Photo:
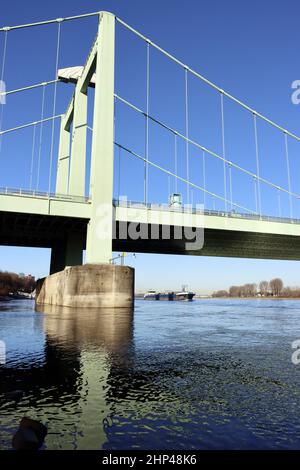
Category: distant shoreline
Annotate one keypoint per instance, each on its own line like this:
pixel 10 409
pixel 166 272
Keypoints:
pixel 8 298
pixel 254 298
pixel 140 296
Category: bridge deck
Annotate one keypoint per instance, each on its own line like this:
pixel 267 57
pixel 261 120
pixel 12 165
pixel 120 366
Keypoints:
pixel 42 220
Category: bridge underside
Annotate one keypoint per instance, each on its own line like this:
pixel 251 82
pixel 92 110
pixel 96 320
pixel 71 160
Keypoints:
pixel 224 243
pixel 48 231
pixel 37 230
pixel 221 243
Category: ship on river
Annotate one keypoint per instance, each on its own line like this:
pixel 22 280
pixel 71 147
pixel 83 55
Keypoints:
pixel 170 296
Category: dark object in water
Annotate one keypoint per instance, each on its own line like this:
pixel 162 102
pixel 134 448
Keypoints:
pixel 30 435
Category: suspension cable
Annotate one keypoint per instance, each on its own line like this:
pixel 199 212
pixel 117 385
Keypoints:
pixel 147 125
pixel 2 81
pixel 29 124
pixel 187 135
pixel 205 80
pixel 255 194
pixel 42 23
pixel 257 163
pixel 184 180
pixel 176 162
pixel 29 87
pixel 279 204
pixel 40 139
pixel 32 156
pixel 119 174
pixel 223 149
pixel 54 105
pixel 203 189
pixel 115 116
pixel 4 55
pixel 204 178
pixel 230 185
pixel 288 173
pixel 208 151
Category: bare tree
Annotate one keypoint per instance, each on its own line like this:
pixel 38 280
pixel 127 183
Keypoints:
pixel 276 286
pixel 220 293
pixel 11 283
pixel 252 290
pixel 264 287
pixel 244 290
pixel 249 290
pixel 235 291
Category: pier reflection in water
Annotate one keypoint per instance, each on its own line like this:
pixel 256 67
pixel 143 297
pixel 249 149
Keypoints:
pixel 65 383
pixel 207 375
pixel 92 339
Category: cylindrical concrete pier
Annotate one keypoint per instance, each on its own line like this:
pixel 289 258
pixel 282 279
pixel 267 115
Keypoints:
pixel 88 286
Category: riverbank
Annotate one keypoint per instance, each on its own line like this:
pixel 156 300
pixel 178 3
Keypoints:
pixel 141 296
pixel 252 298
pixel 7 298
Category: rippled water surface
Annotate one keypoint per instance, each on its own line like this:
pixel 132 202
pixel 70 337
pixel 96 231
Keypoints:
pixel 209 374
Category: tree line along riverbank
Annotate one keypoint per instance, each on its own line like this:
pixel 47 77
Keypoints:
pixel 14 285
pixel 267 289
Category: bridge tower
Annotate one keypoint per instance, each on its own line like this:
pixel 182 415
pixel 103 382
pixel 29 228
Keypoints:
pixel 117 281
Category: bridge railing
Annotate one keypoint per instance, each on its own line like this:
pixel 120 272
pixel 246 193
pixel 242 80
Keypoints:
pixel 43 195
pixel 193 210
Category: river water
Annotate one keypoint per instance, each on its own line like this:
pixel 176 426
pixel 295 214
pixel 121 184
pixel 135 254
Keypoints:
pixel 207 374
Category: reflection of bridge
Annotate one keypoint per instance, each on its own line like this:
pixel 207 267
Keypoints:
pixel 70 217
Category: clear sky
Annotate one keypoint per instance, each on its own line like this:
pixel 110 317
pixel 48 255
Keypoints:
pixel 246 48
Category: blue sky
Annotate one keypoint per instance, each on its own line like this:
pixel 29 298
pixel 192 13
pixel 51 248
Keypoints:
pixel 248 49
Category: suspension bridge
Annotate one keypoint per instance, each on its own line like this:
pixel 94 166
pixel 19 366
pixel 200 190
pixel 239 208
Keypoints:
pixel 87 143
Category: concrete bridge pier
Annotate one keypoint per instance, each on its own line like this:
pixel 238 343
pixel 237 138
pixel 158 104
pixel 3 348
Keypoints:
pixel 88 286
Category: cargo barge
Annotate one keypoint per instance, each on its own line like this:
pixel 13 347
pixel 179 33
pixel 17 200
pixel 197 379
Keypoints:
pixel 170 296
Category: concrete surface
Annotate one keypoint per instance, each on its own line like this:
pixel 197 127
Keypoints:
pixel 88 286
